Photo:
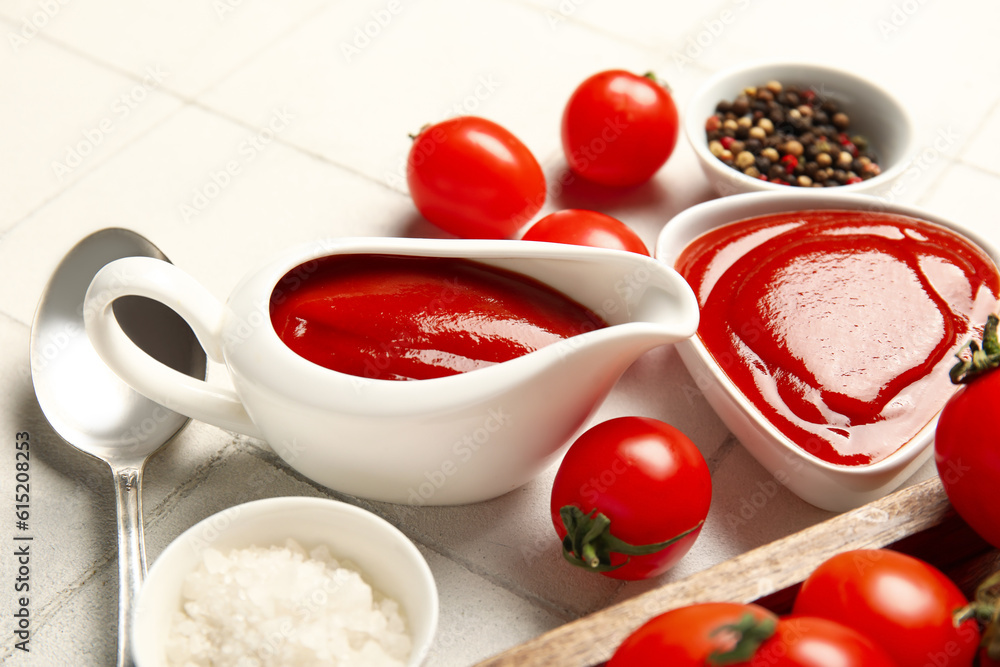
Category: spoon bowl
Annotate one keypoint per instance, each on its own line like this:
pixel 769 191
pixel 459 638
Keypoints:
pixel 90 407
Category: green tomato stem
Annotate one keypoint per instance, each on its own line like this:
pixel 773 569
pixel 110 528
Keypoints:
pixel 985 610
pixel 589 543
pixel 749 634
pixel 652 77
pixel 978 360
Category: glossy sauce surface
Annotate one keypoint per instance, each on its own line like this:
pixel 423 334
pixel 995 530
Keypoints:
pixel 413 318
pixel 840 326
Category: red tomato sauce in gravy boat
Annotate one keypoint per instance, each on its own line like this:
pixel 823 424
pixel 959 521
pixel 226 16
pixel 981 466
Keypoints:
pixel 840 326
pixel 415 318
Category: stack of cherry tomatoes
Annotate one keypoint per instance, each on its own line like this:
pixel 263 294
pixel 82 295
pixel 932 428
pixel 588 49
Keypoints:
pixel 863 608
pixel 631 495
pixel 473 178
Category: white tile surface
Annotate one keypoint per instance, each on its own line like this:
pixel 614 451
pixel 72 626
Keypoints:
pixel 958 196
pixel 660 26
pixel 280 123
pixel 83 114
pixel 217 197
pixel 980 148
pixel 355 85
pixel 197 42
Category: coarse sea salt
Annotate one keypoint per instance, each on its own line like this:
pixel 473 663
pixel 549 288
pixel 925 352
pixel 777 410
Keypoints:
pixel 281 606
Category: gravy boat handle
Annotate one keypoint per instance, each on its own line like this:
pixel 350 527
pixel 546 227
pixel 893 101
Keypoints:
pixel 163 282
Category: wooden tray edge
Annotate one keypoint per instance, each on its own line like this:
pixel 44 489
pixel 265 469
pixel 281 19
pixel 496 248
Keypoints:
pixel 752 576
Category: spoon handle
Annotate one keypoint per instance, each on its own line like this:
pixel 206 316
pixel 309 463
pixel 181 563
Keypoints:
pixel 131 553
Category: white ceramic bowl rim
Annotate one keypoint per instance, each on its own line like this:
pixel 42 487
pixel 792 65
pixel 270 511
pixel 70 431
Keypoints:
pixel 193 541
pixel 670 244
pixel 754 72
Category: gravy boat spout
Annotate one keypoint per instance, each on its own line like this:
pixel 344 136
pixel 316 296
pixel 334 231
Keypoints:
pixel 450 440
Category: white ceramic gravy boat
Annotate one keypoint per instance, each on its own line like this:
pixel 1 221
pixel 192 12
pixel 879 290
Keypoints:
pixel 456 439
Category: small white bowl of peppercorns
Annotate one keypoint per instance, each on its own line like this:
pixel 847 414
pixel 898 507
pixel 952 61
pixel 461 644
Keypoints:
pixel 774 126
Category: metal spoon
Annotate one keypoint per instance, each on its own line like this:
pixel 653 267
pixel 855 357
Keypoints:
pixel 95 411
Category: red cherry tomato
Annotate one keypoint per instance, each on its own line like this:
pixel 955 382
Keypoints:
pixel 720 633
pixel 630 497
pixel 687 636
pixel 967 445
pixel 473 178
pixel 899 601
pixel 809 641
pixel 589 228
pixel 618 128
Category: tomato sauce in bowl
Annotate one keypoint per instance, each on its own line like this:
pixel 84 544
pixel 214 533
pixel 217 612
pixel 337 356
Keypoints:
pixel 415 318
pixel 839 326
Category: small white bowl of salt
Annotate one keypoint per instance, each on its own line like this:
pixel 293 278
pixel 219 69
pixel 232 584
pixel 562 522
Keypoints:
pixel 287 581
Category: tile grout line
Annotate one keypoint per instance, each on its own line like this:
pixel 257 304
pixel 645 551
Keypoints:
pixel 195 101
pixel 260 51
pixel 986 171
pixel 185 100
pixel 421 538
pixel 155 126
pixel 570 17
pixel 979 128
pixel 303 150
pixel 94 168
pixel 983 124
pixel 928 194
pixel 721 453
pixel 200 473
pixel 61 597
pixel 10 318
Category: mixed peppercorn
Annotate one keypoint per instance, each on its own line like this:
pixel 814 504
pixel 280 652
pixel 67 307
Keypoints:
pixel 789 135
